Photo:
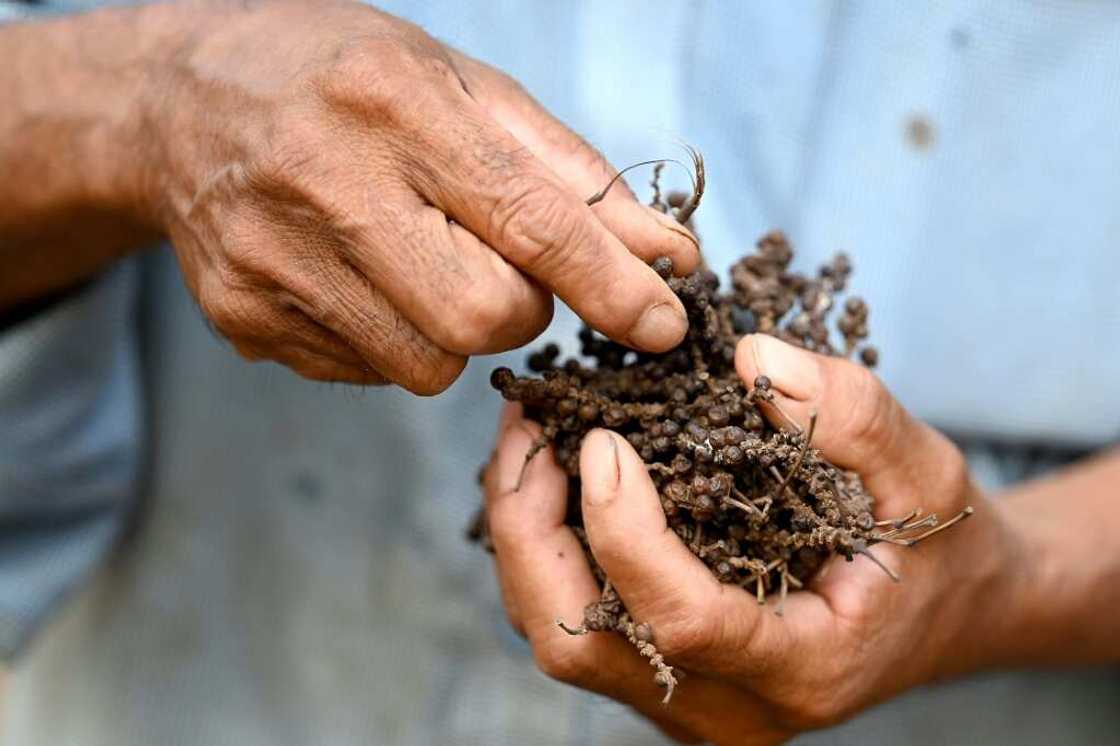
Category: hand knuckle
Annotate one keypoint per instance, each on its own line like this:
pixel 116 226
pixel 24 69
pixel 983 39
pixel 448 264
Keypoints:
pixel 870 422
pixel 535 225
pixel 689 633
pixel 583 152
pixel 561 659
pixel 214 303
pixel 441 69
pixel 480 313
pixel 234 313
pixel 292 143
pixel 233 271
pixel 858 614
pixel 376 77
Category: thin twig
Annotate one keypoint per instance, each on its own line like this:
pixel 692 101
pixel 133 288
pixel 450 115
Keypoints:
pixel 801 455
pixel 955 519
pixel 928 522
pixel 655 182
pixel 742 505
pixel 537 447
pixel 780 611
pixel 600 195
pixel 684 212
pixel 574 631
pixel 768 398
pixel 900 522
pixel 697 536
pixel 891 573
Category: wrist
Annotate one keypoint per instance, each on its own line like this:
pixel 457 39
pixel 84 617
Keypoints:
pixel 166 96
pixel 1045 590
pixel 1065 601
pixel 71 144
pixel 125 164
pixel 986 578
pixel 83 136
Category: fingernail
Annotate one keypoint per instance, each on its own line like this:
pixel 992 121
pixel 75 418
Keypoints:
pixel 793 371
pixel 601 484
pixel 661 327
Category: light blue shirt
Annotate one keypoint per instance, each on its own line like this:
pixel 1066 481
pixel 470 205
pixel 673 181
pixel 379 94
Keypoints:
pixel 991 258
pixel 302 579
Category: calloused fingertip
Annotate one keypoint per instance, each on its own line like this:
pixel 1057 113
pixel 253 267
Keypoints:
pixel 795 372
pixel 685 248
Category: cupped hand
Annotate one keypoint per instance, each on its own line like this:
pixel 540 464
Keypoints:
pixel 360 202
pixel 851 638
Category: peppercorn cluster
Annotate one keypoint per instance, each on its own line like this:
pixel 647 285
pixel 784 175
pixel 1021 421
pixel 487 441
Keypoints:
pixel 745 492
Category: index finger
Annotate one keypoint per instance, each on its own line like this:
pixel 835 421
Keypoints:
pixel 646 232
pixel 489 182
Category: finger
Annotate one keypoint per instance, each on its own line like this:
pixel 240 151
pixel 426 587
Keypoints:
pixel 523 520
pixel 860 426
pixel 262 326
pixel 321 283
pixel 369 324
pixel 307 363
pixel 457 291
pixel 695 619
pixel 326 369
pixel 485 179
pixel 317 353
pixel 643 230
pixel 510 413
pixel 547 576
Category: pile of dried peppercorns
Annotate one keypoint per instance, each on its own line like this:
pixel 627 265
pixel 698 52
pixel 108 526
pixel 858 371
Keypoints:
pixel 748 495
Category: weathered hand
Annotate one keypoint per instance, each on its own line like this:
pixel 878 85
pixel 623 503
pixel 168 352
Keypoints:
pixel 850 639
pixel 354 199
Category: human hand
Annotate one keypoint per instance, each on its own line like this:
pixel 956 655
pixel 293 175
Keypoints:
pixel 352 198
pixel 850 639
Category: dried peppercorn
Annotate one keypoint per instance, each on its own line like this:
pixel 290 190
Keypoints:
pixel 752 499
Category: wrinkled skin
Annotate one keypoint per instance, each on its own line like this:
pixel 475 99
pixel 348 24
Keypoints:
pixel 850 639
pixel 352 198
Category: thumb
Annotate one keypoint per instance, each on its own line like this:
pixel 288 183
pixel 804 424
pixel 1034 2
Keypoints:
pixel 628 533
pixel 660 580
pixel 860 426
pixel 646 232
